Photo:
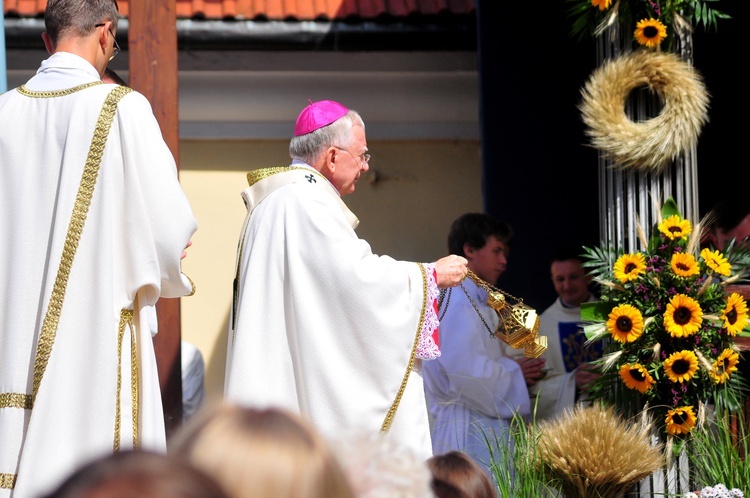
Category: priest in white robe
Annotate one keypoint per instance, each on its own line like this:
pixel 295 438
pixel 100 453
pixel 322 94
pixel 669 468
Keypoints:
pixel 94 225
pixel 320 324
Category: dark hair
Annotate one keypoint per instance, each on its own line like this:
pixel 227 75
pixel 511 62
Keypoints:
pixel 460 470
pixel 567 253
pixel 474 229
pixel 77 17
pixel 138 473
pixel 445 489
pixel 728 213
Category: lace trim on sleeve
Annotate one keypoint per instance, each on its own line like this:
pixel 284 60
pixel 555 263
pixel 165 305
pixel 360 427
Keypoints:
pixel 427 349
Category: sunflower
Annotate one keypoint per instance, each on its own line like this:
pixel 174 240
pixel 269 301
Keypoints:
pixel 629 266
pixel 681 366
pixel 717 262
pixel 684 265
pixel 683 316
pixel 724 366
pixel 625 323
pixel 636 377
pixel 650 32
pixel 735 314
pixel 602 4
pixel 675 227
pixel 680 420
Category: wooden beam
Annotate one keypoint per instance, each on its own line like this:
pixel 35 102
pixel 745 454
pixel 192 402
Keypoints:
pixel 152 51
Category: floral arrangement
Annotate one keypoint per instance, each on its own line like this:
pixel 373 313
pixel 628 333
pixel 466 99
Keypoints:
pixel 651 21
pixel 668 325
pixel 718 491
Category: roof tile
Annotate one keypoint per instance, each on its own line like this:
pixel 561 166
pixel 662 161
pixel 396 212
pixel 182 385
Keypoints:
pixel 302 10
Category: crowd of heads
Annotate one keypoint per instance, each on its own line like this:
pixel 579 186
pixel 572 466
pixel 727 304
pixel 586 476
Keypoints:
pixel 229 451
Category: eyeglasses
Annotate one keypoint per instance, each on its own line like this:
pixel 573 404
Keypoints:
pixel 115 47
pixel 364 158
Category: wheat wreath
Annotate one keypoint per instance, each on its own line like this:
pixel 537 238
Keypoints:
pixel 653 143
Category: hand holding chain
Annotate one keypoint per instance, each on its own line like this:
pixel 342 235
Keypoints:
pixel 518 324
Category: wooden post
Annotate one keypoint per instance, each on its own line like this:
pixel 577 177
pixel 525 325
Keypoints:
pixel 152 51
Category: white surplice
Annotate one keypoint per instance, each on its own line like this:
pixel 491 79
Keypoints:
pixel 324 327
pixel 137 226
pixel 474 390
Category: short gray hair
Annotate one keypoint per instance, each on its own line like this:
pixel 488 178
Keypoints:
pixel 77 18
pixel 309 146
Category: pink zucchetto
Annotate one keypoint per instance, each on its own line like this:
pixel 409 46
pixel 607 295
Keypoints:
pixel 317 115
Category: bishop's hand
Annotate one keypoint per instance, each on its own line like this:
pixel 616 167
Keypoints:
pixel 451 270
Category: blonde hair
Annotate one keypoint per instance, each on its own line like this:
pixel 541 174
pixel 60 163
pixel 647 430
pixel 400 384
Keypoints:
pixel 380 467
pixel 258 453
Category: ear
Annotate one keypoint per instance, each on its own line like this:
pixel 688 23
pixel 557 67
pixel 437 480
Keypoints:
pixel 331 157
pixel 48 43
pixel 104 36
pixel 713 238
pixel 468 250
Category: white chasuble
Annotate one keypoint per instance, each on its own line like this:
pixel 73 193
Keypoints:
pixel 78 379
pixel 322 326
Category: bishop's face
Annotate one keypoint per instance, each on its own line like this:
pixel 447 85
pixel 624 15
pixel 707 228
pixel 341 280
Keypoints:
pixel 347 164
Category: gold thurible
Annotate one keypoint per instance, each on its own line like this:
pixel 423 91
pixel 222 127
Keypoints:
pixel 519 324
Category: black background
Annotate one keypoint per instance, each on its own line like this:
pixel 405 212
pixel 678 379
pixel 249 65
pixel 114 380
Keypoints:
pixel 539 174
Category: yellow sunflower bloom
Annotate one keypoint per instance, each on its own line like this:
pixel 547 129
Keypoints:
pixel 735 314
pixel 683 316
pixel 675 227
pixel 650 32
pixel 636 377
pixel 684 265
pixel 629 266
pixel 716 261
pixel 681 366
pixel 625 323
pixel 602 4
pixel 680 420
pixel 724 366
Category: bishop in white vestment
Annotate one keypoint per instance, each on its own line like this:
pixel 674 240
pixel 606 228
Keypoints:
pixel 321 325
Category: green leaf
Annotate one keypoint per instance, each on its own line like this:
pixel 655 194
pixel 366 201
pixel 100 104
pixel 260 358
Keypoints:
pixel 597 311
pixel 670 209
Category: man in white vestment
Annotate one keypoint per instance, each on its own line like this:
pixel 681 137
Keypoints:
pixel 321 325
pixel 568 374
pixel 94 225
pixel 474 390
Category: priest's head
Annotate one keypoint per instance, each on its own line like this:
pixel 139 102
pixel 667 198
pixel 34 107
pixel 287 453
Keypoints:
pixel 331 138
pixel 85 28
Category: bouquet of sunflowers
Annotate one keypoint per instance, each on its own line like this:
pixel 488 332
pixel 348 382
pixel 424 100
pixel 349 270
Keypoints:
pixel 668 325
pixel 650 21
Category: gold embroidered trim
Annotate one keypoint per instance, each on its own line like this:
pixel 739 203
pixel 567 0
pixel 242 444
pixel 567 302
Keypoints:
pixel 126 320
pixel 134 380
pixel 55 93
pixel 259 174
pixel 392 411
pixel 15 400
pixel 192 286
pixel 7 481
pixel 73 236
